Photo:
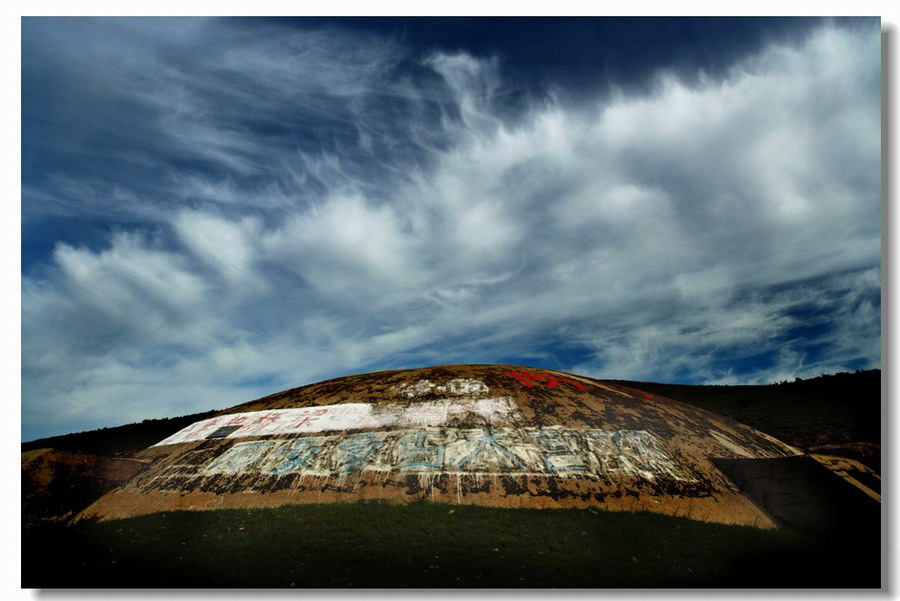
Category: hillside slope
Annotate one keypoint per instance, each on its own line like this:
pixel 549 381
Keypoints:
pixel 828 410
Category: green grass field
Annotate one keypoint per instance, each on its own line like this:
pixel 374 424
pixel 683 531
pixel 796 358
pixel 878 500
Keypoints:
pixel 424 545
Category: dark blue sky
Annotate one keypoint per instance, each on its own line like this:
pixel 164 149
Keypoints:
pixel 218 209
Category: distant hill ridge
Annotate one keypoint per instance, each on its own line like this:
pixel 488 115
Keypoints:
pixel 827 410
pixel 117 440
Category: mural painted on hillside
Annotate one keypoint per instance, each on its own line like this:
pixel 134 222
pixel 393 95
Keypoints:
pixel 553 451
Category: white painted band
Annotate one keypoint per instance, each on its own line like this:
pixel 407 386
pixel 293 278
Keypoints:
pixel 350 416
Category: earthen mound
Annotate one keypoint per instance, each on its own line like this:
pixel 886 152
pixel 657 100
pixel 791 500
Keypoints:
pixel 480 434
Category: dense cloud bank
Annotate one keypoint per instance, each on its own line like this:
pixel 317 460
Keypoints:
pixel 214 212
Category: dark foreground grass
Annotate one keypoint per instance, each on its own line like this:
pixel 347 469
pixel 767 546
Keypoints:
pixel 425 545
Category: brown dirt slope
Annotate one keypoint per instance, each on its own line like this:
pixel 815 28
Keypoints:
pixel 56 484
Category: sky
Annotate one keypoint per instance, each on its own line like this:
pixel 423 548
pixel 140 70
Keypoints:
pixel 218 209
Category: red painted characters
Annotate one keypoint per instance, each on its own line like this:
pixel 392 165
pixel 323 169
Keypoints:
pixel 530 379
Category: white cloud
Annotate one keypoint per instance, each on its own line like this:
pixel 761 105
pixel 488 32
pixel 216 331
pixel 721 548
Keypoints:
pixel 228 248
pixel 120 296
pixel 662 234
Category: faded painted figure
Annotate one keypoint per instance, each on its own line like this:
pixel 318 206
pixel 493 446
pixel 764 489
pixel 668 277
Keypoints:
pixel 553 451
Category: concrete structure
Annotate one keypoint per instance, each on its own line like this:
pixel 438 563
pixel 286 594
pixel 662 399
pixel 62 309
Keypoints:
pixel 480 434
